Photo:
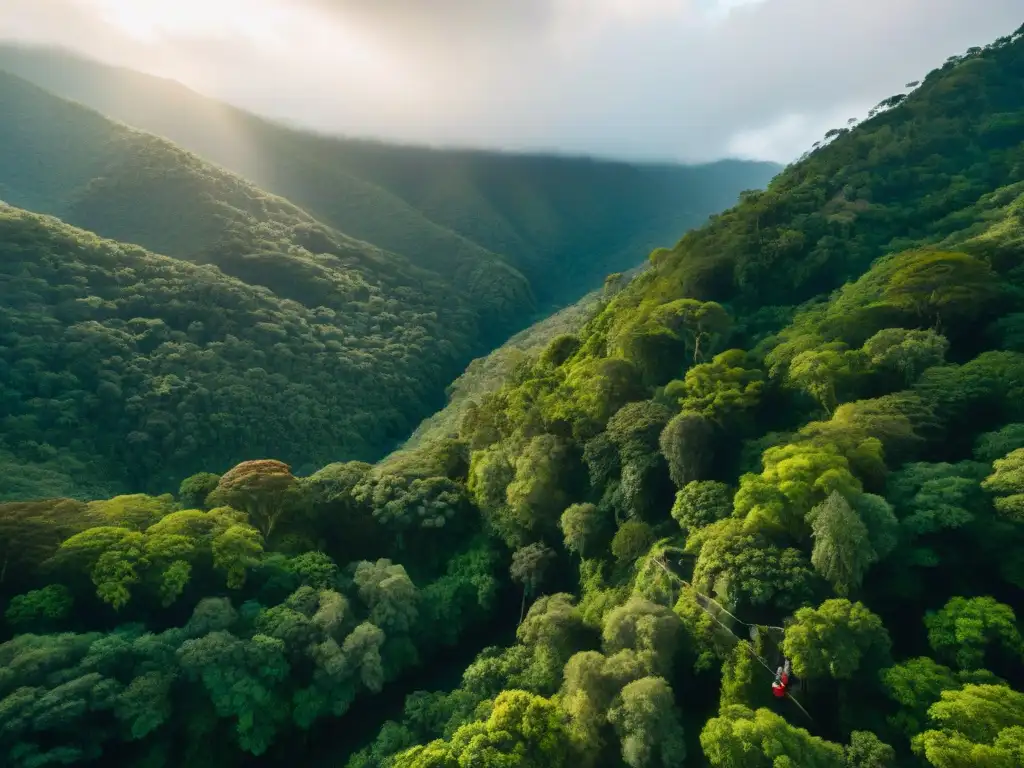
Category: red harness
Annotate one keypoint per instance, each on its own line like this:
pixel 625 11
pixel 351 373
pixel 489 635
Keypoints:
pixel 780 686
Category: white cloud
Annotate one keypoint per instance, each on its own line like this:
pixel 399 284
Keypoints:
pixel 667 79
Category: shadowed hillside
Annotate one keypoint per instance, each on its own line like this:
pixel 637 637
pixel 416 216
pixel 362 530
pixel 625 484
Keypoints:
pixel 366 339
pixel 66 160
pixel 563 222
pixel 122 367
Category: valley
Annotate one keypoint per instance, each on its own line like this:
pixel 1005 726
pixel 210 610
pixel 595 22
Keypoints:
pixel 322 451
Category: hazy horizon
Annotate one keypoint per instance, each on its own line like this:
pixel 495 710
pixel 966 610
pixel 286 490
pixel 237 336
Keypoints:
pixel 637 80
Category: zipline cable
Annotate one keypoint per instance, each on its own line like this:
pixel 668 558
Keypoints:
pixel 745 643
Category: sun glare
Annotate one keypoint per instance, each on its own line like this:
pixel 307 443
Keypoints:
pixel 150 19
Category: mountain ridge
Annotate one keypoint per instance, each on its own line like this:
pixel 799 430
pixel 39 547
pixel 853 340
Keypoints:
pixel 418 201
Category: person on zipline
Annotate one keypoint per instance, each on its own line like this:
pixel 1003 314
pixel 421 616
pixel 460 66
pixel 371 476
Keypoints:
pixel 780 686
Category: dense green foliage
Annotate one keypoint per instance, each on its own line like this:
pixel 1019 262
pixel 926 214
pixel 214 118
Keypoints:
pixel 564 223
pixel 704 479
pixel 827 379
pixel 134 370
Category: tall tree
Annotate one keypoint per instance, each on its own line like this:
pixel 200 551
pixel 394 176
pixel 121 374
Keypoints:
pixel 529 567
pixel 686 444
pixel 647 722
pixel 967 630
pixel 1007 483
pixel 838 639
pixel 842 547
pixel 580 524
pixel 265 489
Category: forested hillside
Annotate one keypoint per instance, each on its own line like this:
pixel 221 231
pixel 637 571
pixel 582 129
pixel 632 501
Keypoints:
pixel 799 435
pixel 323 346
pixel 124 369
pixel 563 222
pixel 66 160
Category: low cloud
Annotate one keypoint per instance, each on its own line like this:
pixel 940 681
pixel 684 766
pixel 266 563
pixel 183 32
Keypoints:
pixel 644 79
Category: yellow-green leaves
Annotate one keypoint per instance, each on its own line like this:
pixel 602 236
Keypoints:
pixel 838 639
pixel 1007 483
pixel 967 630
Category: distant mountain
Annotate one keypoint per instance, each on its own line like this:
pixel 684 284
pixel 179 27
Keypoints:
pixel 294 340
pixel 565 223
pixel 67 160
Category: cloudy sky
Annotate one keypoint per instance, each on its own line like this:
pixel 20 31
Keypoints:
pixel 643 79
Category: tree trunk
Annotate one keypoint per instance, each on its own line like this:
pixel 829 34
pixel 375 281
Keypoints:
pixel 522 607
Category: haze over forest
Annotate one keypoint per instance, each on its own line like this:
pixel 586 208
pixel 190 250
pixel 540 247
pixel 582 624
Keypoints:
pixel 332 447
pixel 689 80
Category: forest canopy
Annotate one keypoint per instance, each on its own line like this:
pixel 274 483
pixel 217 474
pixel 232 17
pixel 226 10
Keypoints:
pixel 797 437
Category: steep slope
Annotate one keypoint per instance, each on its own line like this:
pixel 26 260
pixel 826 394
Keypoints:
pixel 376 338
pixel 563 222
pixel 831 453
pixel 141 369
pixel 69 161
pixel 396 334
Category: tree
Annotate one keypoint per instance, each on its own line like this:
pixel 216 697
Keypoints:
pixel 941 285
pixel 554 624
pixel 240 678
pixel 686 444
pixel 360 653
pixel 837 639
pixel 111 556
pixel 490 473
pixel 762 739
pixel 725 390
pixel 390 595
pixel 194 489
pixel 529 566
pixel 136 511
pixel 996 445
pixel 647 723
pixel 39 608
pixel 918 683
pixel 538 493
pixel 580 524
pixel 521 729
pixel 867 751
pixel 590 682
pixel 699 323
pixel 31 531
pixel 796 477
pixel 632 540
pixel 822 371
pixel 634 429
pixel 1007 483
pixel 842 547
pixel 977 725
pixel 402 504
pixel 560 349
pixel 265 489
pixel 648 629
pixel 882 525
pixel 235 551
pixel 907 353
pixel 743 570
pixel 700 503
pixel 936 497
pixel 967 629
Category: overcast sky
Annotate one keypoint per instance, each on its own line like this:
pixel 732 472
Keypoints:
pixel 643 79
